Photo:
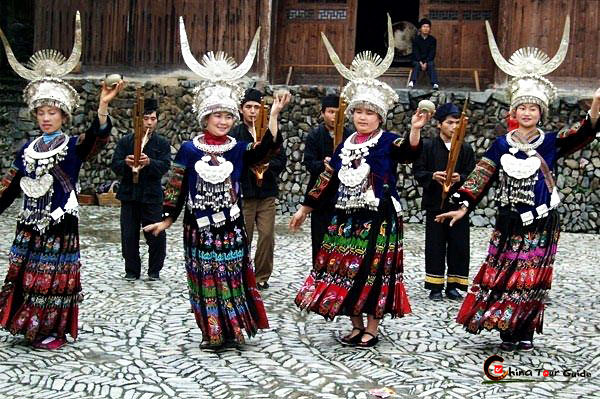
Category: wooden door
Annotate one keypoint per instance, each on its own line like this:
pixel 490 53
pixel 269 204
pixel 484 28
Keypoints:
pixel 459 27
pixel 297 35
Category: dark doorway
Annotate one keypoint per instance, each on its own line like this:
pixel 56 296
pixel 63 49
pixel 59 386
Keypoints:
pixel 371 25
pixel 16 20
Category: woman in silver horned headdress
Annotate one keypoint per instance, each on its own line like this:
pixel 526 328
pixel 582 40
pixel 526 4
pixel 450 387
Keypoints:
pixel 205 179
pixel 359 268
pixel 509 291
pixel 41 292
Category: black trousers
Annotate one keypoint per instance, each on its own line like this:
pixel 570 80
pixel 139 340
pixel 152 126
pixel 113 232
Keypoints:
pixel 319 222
pixel 445 244
pixel 134 216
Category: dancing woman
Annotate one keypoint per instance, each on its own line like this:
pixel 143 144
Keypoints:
pixel 359 269
pixel 42 290
pixel 509 291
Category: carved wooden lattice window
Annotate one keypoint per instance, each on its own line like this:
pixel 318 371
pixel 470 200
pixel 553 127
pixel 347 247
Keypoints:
pixel 301 14
pixel 443 15
pixel 323 1
pixel 476 15
pixel 454 1
pixel 324 14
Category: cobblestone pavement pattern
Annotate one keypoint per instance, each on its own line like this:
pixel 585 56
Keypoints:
pixel 139 340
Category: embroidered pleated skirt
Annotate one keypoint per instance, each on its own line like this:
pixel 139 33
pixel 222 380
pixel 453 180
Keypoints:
pixel 221 282
pixel 509 291
pixel 359 268
pixel 42 289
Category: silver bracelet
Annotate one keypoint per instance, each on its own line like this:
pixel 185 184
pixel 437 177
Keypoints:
pixel 101 114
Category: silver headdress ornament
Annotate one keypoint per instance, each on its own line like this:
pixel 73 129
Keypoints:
pixel 218 91
pixel 528 66
pixel 364 90
pixel 45 69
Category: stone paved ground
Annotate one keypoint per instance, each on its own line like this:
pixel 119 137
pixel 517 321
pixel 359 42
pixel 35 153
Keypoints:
pixel 138 340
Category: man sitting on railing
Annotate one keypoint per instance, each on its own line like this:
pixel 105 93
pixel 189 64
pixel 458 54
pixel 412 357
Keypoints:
pixel 424 46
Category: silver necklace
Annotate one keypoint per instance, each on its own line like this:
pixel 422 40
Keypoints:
pixel 42 162
pixel 525 147
pixel 352 151
pixel 213 148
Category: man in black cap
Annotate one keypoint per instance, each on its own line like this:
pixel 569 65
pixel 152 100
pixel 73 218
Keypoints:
pixel 318 150
pixel 258 199
pixel 424 46
pixel 442 241
pixel 141 203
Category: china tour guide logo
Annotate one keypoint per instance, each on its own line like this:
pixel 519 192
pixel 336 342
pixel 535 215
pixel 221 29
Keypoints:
pixel 496 372
pixel 493 368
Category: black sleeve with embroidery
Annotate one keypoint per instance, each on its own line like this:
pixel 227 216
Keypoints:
pixel 176 191
pixel 323 191
pixel 9 187
pixel 469 163
pixel 574 138
pixel 93 140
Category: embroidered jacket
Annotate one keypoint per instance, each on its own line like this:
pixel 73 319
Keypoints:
pixel 318 146
pixel 79 149
pixel 383 159
pixel 554 146
pixel 182 186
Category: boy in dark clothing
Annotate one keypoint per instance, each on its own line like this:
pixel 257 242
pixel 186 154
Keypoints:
pixel 424 46
pixel 442 241
pixel 141 203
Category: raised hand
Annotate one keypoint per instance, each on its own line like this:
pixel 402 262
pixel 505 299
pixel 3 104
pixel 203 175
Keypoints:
pixel 420 119
pixel 109 93
pixel 281 98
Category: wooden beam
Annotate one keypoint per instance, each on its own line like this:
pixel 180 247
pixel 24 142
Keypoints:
pixel 264 20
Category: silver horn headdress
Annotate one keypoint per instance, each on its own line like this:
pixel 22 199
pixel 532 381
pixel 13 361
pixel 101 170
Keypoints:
pixel 219 90
pixel 528 66
pixel 45 69
pixel 364 90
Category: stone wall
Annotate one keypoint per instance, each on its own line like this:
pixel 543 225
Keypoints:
pixel 579 174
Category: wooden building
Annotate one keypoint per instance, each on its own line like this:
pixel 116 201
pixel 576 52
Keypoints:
pixel 143 35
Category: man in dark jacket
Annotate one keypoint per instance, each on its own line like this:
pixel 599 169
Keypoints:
pixel 442 241
pixel 318 150
pixel 424 46
pixel 141 203
pixel 258 200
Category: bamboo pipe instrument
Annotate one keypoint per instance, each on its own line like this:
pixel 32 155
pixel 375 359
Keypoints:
pixel 455 146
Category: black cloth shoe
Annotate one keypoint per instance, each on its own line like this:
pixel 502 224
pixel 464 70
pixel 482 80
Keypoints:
pixel 131 277
pixel 453 294
pixel 525 346
pixel 153 277
pixel 368 344
pixel 347 340
pixel 508 346
pixel 435 295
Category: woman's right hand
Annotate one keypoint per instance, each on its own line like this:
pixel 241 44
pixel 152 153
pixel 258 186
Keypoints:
pixel 299 218
pixel 454 216
pixel 157 228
